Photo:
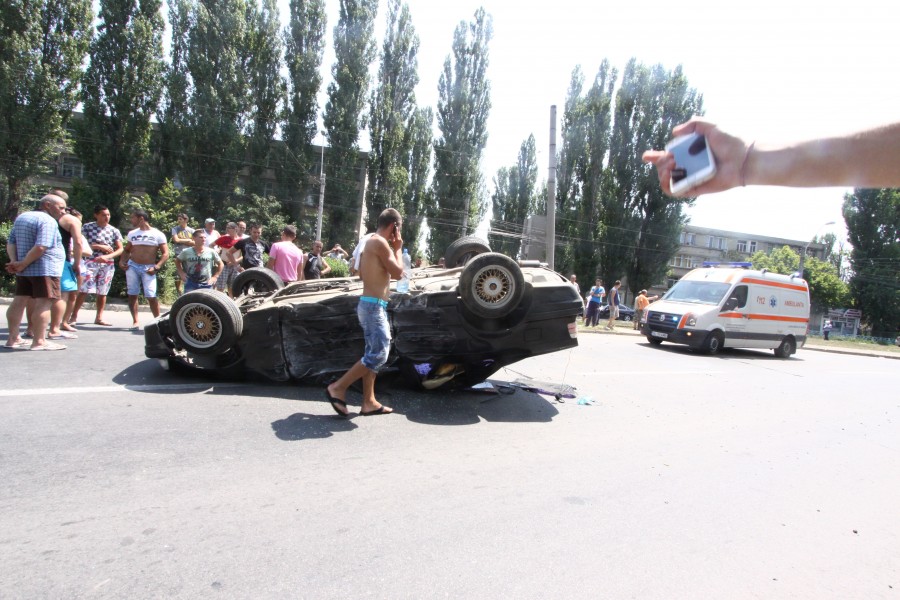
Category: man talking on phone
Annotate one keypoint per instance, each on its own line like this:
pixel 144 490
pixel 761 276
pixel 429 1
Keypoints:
pixel 380 261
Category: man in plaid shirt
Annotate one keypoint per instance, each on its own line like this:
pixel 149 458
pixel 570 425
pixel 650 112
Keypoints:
pixel 35 247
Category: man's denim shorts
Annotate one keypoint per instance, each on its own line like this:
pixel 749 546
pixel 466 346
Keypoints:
pixel 377 329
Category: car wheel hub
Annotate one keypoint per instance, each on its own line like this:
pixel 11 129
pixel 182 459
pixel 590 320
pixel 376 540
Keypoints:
pixel 200 324
pixel 493 287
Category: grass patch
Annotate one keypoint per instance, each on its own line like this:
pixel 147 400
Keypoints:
pixel 844 342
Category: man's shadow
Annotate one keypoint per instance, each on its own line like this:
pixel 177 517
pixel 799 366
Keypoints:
pixel 303 426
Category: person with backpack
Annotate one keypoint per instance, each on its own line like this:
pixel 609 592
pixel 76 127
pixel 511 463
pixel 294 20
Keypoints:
pixel 315 263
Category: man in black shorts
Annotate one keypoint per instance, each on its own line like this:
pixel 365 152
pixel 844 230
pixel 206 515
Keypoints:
pixel 37 256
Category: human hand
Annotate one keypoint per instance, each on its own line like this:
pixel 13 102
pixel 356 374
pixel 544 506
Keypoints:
pixel 14 266
pixel 728 150
pixel 104 248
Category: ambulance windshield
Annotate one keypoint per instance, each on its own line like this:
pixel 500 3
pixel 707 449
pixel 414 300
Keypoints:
pixel 698 292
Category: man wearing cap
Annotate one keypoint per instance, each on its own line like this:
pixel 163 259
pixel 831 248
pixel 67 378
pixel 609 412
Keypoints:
pixel 211 234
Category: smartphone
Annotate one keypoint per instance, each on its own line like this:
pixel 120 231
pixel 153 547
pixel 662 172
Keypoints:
pixel 694 162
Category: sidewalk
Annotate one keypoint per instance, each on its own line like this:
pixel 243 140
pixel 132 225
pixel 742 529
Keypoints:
pixel 817 346
pixel 112 304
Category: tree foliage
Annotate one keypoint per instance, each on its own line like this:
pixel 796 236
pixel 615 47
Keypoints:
pixel 873 229
pixel 612 218
pixel 216 121
pixel 120 92
pixel 391 109
pixel 464 102
pixel 267 89
pixel 418 194
pixel 826 290
pixel 304 45
pixel 514 199
pixel 354 47
pixel 42 47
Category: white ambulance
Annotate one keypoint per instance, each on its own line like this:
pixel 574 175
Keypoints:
pixel 719 307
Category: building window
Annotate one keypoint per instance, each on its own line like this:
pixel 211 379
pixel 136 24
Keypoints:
pixel 688 239
pixel 742 246
pixel 70 167
pixel 268 189
pixel 716 243
pixel 752 246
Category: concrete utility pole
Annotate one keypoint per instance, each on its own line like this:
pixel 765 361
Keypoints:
pixel 321 190
pixel 551 193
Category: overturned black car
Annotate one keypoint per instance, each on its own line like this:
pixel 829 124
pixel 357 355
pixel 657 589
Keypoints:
pixel 456 325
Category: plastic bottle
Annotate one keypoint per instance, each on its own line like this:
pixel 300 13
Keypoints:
pixel 403 284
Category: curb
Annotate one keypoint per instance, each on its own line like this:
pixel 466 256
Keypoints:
pixel 112 304
pixel 851 352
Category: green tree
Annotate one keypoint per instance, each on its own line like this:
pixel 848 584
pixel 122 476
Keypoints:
pixel 354 48
pixel 264 210
pixel 120 92
pixel 584 180
pixel 217 61
pixel 464 102
pixel 649 103
pixel 418 194
pixel 513 199
pixel 826 290
pixel 873 229
pixel 304 44
pixel 172 137
pixel 568 186
pixel 392 105
pixel 42 47
pixel 267 89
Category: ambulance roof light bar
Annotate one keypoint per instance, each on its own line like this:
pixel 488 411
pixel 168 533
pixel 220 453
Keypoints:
pixel 733 264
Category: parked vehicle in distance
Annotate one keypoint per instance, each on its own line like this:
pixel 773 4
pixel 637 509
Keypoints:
pixel 626 313
pixel 460 323
pixel 714 307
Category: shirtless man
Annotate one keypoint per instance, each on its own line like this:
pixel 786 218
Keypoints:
pixel 380 261
pixel 146 251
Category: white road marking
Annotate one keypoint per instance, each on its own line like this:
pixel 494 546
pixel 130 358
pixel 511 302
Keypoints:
pixel 117 389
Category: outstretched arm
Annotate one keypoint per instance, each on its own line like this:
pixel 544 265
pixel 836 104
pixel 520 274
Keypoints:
pixel 869 158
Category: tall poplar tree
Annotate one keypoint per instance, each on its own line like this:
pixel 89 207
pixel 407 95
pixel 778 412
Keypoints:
pixel 42 47
pixel 267 88
pixel 418 193
pixel 218 108
pixel 392 105
pixel 120 92
pixel 873 229
pixel 304 44
pixel 649 103
pixel 354 48
pixel 513 200
pixel 464 102
pixel 172 136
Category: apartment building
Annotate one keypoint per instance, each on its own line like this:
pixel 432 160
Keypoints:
pixel 699 244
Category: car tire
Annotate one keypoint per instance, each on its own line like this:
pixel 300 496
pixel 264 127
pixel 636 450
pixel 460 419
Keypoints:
pixel 463 250
pixel 627 318
pixel 787 347
pixel 258 280
pixel 206 322
pixel 654 341
pixel 491 285
pixel 714 343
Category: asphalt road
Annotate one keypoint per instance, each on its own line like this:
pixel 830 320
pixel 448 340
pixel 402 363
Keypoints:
pixel 684 476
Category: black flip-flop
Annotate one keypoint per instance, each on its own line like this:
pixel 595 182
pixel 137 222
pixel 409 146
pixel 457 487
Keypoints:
pixel 378 411
pixel 335 403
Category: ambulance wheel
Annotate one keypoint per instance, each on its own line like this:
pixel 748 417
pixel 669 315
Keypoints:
pixel 654 341
pixel 714 342
pixel 787 347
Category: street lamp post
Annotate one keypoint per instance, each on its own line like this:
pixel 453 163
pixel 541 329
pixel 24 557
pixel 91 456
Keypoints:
pixel 806 247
